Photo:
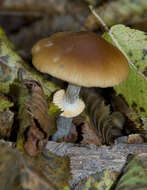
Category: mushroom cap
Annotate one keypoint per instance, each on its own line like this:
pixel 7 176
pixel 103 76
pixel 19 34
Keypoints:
pixel 81 58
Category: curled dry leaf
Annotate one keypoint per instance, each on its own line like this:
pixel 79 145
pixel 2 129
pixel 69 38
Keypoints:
pixel 108 125
pixel 82 132
pixel 38 132
pixel 88 134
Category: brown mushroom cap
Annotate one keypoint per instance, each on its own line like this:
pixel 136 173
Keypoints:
pixel 80 58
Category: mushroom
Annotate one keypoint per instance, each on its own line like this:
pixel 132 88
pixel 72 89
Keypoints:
pixel 81 59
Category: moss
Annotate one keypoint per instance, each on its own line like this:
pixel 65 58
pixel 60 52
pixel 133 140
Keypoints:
pixel 53 110
pixel 66 188
pixel 88 184
pixel 135 174
pixel 20 144
pixel 107 181
pixel 5 104
pixel 101 180
pixel 4 37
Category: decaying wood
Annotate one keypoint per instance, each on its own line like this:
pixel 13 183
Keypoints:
pixel 87 160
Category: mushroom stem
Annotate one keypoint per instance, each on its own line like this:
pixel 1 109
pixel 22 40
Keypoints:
pixel 63 128
pixel 72 93
pixel 64 123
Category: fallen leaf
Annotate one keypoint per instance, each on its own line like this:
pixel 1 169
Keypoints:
pixel 90 135
pixel 20 171
pixel 134 174
pixel 35 125
pixel 135 139
pixel 133 45
pixel 108 125
pixel 38 133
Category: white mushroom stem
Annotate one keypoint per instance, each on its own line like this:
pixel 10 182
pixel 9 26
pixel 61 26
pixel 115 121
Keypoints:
pixel 71 106
pixel 72 93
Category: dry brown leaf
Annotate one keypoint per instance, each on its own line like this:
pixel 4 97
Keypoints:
pixel 90 135
pixel 86 134
pixel 38 132
pixel 108 125
pixel 6 122
pixel 19 171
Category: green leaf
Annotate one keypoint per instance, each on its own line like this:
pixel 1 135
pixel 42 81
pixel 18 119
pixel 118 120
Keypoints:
pixel 99 181
pixel 5 103
pixel 11 63
pixel 135 174
pixel 133 43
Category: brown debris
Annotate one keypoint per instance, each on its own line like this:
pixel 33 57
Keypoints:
pixel 6 117
pixel 135 139
pixel 108 125
pixel 19 171
pixel 133 123
pixel 72 136
pixel 38 132
pixel 90 135
pixel 82 132
pixel 6 122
